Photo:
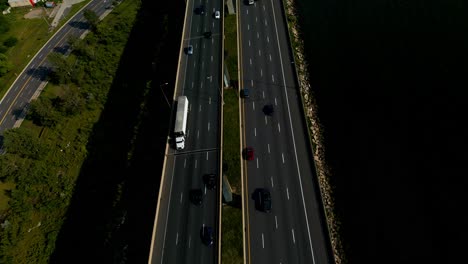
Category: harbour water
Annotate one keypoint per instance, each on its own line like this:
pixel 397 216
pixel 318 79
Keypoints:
pixel 389 77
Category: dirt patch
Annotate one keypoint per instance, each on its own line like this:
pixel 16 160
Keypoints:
pixel 36 13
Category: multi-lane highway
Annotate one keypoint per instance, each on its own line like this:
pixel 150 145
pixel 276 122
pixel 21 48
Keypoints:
pixel 176 235
pixel 293 232
pixel 33 77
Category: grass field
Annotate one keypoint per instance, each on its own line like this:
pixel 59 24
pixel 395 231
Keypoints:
pixel 230 45
pixel 232 239
pixel 232 216
pixel 232 236
pixel 32 34
pixel 42 202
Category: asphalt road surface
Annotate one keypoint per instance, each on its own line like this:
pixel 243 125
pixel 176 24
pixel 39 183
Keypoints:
pixel 33 77
pixel 176 238
pixel 293 232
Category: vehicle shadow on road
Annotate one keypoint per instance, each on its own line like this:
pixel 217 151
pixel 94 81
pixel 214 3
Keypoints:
pixel 39 73
pixel 79 24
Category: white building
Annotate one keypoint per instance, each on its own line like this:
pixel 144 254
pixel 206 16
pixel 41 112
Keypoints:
pixel 16 3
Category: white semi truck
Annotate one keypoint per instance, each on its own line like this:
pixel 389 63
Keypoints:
pixel 181 122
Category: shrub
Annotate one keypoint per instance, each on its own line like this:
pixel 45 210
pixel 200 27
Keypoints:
pixel 10 42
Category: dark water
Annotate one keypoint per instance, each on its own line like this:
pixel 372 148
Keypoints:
pixel 390 78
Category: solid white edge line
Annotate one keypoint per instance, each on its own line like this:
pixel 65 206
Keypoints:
pixel 167 216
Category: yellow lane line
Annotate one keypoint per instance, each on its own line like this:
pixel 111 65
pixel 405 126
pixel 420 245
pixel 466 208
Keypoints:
pixel 27 81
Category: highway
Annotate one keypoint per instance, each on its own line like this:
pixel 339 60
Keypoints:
pixel 33 78
pixel 294 231
pixel 176 235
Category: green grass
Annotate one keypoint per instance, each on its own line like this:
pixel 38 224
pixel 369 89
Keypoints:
pixel 32 34
pixel 46 199
pixel 230 45
pixel 231 138
pixel 232 236
pixel 232 246
pixel 5 186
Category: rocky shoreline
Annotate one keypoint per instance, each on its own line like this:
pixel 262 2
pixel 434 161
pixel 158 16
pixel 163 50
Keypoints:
pixel 315 130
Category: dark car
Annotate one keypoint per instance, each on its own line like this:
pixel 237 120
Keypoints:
pixel 263 200
pixel 210 181
pixel 207 34
pixel 268 109
pixel 245 93
pixel 249 153
pixel 200 10
pixel 190 49
pixel 196 196
pixel 206 234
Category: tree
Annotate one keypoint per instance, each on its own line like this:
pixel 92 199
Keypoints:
pixel 92 18
pixel 24 143
pixel 62 68
pixel 43 113
pixel 80 47
pixel 4 25
pixel 10 42
pixel 9 166
pixel 5 65
pixel 71 102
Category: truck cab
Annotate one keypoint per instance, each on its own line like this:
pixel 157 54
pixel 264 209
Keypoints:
pixel 181 122
pixel 180 143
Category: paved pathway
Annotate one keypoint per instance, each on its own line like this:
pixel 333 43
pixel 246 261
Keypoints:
pixel 61 8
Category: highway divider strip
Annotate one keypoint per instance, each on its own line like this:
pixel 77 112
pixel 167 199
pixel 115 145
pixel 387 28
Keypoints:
pixel 221 131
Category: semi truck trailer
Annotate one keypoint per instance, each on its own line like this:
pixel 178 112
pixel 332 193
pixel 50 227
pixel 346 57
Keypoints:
pixel 181 122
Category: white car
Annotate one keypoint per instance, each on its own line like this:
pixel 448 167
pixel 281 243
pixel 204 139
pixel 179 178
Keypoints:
pixel 217 15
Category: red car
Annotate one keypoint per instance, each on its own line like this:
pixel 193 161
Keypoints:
pixel 249 153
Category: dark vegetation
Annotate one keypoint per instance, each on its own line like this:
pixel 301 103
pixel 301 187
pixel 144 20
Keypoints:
pixel 388 78
pixel 3 5
pixel 5 65
pixel 87 166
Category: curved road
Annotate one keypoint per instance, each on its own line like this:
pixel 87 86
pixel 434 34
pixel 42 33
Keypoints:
pixel 32 79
